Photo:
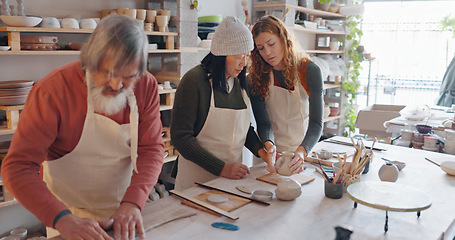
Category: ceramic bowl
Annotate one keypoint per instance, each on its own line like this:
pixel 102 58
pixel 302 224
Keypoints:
pixel 398 164
pixel 422 128
pixel 50 22
pixel 334 111
pixel 20 21
pixel 69 23
pixel 75 46
pixel 448 167
pixel 262 195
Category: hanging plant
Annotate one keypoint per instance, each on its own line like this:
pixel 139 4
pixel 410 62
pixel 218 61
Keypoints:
pixel 352 83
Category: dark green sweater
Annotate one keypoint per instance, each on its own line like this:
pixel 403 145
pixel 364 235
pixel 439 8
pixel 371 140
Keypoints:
pixel 191 106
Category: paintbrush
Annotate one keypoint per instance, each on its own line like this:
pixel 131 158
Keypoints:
pixel 325 175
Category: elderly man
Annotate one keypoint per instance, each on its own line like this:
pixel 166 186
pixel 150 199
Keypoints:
pixel 94 128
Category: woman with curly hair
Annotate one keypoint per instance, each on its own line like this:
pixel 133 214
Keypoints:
pixel 286 91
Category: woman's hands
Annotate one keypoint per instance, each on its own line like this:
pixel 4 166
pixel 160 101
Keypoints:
pixel 297 163
pixel 269 156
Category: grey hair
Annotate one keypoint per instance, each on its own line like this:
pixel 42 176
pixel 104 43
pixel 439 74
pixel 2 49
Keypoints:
pixel 118 34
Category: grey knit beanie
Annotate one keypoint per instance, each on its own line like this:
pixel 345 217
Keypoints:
pixel 231 37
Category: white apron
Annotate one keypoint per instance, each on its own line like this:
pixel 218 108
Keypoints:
pixel 288 114
pixel 93 178
pixel 223 135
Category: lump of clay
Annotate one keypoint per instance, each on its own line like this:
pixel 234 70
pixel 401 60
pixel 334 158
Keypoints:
pixel 288 189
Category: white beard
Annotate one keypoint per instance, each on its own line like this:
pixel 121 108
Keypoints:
pixel 108 105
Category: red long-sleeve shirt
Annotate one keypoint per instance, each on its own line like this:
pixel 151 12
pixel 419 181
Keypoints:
pixel 50 126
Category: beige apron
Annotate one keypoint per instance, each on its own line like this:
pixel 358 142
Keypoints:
pixel 223 134
pixel 288 114
pixel 93 178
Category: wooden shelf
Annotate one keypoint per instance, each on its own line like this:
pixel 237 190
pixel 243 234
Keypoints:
pixel 324 52
pixel 170 159
pixel 72 52
pixel 316 13
pixel 328 119
pixel 331 85
pixel 14 38
pixel 8 203
pixel 70 30
pixel 317 31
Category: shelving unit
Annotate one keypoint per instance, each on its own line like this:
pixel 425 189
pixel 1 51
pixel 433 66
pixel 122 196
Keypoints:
pixel 308 37
pixel 14 35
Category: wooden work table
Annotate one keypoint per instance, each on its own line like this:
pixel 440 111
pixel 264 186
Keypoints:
pixel 314 216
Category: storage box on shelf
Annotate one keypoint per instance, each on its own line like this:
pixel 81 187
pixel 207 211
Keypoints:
pixel 308 39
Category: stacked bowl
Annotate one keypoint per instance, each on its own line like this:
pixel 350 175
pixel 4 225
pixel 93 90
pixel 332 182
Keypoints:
pixel 14 92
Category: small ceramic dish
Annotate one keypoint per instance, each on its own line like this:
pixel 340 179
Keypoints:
pixel 5 48
pixel 448 167
pixel 262 195
pixel 217 198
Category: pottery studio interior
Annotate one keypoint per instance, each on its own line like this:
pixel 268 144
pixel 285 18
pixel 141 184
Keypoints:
pixel 367 151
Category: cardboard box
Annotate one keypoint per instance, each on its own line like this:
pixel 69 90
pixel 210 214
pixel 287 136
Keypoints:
pixel 370 121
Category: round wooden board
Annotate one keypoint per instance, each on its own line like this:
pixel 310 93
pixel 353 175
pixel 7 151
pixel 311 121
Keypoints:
pixel 389 196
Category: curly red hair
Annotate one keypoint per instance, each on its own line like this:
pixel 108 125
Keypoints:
pixel 259 69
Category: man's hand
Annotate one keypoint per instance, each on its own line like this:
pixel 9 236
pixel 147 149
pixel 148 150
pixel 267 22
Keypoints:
pixel 127 219
pixel 234 171
pixel 72 227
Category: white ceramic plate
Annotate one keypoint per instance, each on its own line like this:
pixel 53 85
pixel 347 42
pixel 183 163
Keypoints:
pixel 448 167
pixel 4 48
pixel 217 198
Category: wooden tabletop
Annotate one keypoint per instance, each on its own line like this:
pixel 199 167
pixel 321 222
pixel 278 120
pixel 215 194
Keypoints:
pixel 314 216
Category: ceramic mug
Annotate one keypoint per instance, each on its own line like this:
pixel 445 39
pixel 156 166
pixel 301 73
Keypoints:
pixel 50 22
pixel 282 163
pixel 150 16
pixel 69 23
pixel 407 135
pixel 141 14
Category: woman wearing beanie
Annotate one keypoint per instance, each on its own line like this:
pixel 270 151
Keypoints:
pixel 211 114
pixel 286 91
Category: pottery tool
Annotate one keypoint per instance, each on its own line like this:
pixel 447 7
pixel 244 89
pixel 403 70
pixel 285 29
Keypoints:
pixel 243 189
pixel 205 205
pixel 238 195
pixel 437 164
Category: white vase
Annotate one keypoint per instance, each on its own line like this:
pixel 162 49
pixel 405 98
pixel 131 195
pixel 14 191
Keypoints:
pixel 388 172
